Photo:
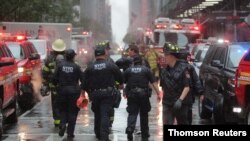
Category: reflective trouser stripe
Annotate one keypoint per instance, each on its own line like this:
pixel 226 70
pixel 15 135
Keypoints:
pixel 57 121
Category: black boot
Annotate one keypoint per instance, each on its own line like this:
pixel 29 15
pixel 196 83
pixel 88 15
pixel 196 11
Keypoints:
pixel 130 137
pixel 62 130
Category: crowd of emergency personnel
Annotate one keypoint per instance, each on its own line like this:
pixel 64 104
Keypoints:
pixel 137 75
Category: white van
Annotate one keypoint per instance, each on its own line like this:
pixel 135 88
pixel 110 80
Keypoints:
pixel 41 46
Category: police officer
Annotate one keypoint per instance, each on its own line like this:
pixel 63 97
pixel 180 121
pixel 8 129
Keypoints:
pixel 175 81
pixel 100 78
pixel 58 48
pixel 125 62
pixel 67 76
pixel 106 45
pixel 137 78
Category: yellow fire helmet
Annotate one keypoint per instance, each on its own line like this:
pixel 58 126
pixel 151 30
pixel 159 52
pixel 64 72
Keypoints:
pixel 58 45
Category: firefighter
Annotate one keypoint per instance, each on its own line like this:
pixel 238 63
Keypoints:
pixel 67 76
pixel 152 57
pixel 58 48
pixel 99 81
pixel 175 81
pixel 137 78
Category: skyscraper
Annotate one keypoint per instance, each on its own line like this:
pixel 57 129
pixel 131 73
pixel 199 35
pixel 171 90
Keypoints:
pixel 98 11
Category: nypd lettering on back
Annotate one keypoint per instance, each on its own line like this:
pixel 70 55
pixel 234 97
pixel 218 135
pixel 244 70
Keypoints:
pixel 136 70
pixel 100 66
pixel 68 69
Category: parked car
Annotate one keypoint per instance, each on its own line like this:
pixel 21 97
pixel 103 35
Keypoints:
pixel 29 68
pixel 8 87
pixel 242 89
pixel 217 74
pixel 199 52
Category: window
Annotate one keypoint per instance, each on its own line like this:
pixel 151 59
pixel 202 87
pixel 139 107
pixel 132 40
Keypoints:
pixel 247 58
pixel 8 52
pixel 220 54
pixel 236 52
pixel 16 50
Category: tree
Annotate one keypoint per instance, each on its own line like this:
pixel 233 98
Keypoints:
pixel 37 10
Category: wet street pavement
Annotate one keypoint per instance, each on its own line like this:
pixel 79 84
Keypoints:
pixel 37 124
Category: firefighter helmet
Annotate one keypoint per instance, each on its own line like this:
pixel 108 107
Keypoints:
pixel 58 45
pixel 170 48
pixel 104 44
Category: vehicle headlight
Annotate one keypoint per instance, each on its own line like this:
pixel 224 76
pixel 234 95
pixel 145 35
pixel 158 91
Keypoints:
pixel 20 69
pixel 237 109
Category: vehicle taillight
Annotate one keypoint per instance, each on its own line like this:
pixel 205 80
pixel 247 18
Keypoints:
pixel 176 26
pixel 19 38
pixel 85 33
pixel 195 28
pixel 68 29
pixel 161 26
pixel 158 26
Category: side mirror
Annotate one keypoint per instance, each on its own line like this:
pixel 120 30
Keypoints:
pixel 217 63
pixel 34 56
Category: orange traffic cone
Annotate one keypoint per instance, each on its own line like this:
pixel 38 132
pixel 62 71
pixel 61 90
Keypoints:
pixel 82 102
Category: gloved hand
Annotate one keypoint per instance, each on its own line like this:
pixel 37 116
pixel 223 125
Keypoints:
pixel 177 104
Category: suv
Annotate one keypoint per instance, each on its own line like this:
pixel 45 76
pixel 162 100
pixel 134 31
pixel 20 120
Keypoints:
pixel 242 89
pixel 217 74
pixel 8 87
pixel 199 51
pixel 29 68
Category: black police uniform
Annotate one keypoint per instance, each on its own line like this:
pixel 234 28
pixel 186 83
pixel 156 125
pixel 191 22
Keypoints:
pixel 67 77
pixel 173 80
pixel 137 78
pixel 99 82
pixel 125 62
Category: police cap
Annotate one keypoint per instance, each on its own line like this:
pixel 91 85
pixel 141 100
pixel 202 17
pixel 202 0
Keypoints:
pixel 69 54
pixel 137 59
pixel 99 51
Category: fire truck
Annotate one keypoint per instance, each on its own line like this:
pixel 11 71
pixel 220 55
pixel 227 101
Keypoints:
pixel 8 86
pixel 48 31
pixel 183 32
pixel 29 69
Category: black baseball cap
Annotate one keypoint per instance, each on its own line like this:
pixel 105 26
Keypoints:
pixel 99 51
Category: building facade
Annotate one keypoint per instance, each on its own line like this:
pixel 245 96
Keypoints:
pixel 98 11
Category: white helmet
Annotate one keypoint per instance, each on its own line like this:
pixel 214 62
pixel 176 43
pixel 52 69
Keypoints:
pixel 58 45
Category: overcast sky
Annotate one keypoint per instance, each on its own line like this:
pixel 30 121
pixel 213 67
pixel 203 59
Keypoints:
pixel 119 19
